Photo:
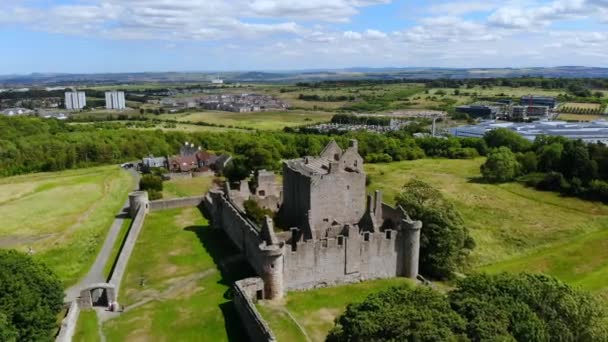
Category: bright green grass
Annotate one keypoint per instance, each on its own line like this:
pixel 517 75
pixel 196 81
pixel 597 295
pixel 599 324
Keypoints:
pixel 195 186
pixel 86 328
pixel 515 228
pixel 316 310
pixel 124 229
pixel 259 120
pixel 62 216
pixel 176 254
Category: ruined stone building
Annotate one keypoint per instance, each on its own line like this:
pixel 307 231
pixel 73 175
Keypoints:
pixel 333 233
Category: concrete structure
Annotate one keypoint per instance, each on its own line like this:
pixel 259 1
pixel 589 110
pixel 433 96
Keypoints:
pixel 532 100
pixel 150 162
pixel 479 111
pixel 75 100
pixel 115 100
pixel 336 234
pixel 528 112
pixel 590 132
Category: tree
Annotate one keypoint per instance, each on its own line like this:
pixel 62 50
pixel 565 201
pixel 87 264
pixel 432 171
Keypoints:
pixel 575 162
pixel 550 157
pixel 528 162
pixel 481 307
pixel 31 296
pixel 445 242
pixel 256 213
pixel 399 314
pixel 501 166
pixel 153 184
pixel 537 307
pixel 505 137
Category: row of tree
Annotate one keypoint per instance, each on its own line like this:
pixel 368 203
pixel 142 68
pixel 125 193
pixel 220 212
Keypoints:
pixel 549 163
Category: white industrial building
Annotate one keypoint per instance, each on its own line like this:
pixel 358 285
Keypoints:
pixel 75 100
pixel 115 100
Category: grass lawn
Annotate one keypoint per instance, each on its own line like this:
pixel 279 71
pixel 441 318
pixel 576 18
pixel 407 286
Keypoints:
pixel 86 328
pixel 515 228
pixel 316 310
pixel 185 297
pixel 260 120
pixel 62 216
pixel 195 186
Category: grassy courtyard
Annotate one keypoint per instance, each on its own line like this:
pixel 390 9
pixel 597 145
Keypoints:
pixel 515 228
pixel 62 216
pixel 173 290
pixel 87 327
pixel 311 314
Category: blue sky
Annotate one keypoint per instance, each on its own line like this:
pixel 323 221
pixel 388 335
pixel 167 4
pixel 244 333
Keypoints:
pixel 88 36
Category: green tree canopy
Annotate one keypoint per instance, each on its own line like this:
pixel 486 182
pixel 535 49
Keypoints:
pixel 502 307
pixel 400 314
pixel 31 296
pixel 445 241
pixel 501 165
pixel 505 137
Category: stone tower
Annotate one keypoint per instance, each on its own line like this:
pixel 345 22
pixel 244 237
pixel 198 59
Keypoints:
pixel 411 240
pixel 138 199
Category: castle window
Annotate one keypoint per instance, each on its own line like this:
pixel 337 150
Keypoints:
pixel 366 237
pixel 325 220
pixel 340 240
pixel 271 265
pixel 262 193
pixel 388 234
pixel 348 187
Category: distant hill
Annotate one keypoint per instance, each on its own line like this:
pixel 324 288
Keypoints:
pixel 291 76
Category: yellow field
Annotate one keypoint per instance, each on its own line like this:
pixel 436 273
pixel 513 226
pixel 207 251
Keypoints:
pixel 580 117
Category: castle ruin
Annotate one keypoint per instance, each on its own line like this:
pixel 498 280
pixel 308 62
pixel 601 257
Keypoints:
pixel 336 234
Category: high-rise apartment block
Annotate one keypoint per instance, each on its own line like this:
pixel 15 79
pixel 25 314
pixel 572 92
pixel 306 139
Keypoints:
pixel 75 100
pixel 115 100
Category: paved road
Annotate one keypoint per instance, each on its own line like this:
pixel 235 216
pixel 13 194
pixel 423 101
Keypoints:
pixel 96 272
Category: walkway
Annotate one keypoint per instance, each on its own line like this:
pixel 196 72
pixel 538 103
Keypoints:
pixel 96 272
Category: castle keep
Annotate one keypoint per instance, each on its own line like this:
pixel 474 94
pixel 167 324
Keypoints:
pixel 336 234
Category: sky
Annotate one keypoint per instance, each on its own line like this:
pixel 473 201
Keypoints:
pixel 93 36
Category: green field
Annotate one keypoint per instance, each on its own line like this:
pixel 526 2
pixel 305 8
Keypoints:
pixel 184 296
pixel 187 187
pixel 87 327
pixel 258 120
pixel 62 216
pixel 311 313
pixel 515 228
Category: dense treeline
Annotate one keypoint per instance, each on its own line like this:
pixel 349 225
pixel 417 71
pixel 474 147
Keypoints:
pixel 361 119
pixel 326 98
pixel 549 163
pixel 481 307
pixel 534 82
pixel 30 144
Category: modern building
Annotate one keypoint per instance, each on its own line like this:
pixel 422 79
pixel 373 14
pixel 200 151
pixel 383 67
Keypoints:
pixel 217 81
pixel 115 100
pixel 531 100
pixel 590 132
pixel 528 112
pixel 75 100
pixel 479 111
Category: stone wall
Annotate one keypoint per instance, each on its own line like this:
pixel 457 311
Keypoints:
pixel 345 259
pixel 68 324
pixel 173 203
pixel 245 294
pixel 127 248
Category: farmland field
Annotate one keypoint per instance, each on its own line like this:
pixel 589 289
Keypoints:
pixel 580 117
pixel 259 120
pixel 62 216
pixel 172 289
pixel 187 187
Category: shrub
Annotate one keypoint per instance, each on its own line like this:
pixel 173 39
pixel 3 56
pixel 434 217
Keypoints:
pixel 151 182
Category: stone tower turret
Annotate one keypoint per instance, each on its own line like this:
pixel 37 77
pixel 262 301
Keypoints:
pixel 411 234
pixel 138 199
